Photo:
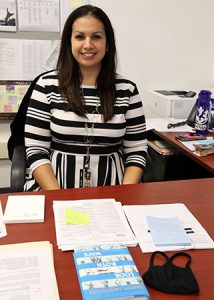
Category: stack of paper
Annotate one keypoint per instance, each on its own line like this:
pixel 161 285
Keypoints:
pixel 27 271
pixel 91 222
pixel 138 219
pixel 25 209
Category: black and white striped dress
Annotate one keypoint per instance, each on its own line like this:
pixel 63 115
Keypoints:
pixel 56 136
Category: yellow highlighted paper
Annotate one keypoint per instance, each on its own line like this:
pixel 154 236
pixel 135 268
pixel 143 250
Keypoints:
pixel 75 217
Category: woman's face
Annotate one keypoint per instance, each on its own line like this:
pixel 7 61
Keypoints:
pixel 88 42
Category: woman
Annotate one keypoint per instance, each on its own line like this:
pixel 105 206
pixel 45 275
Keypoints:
pixel 85 124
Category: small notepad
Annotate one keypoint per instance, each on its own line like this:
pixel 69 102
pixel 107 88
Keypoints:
pixel 24 209
pixel 167 231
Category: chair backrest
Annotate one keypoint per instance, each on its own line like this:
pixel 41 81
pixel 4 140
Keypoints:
pixel 15 144
pixel 17 125
pixel 149 173
pixel 18 167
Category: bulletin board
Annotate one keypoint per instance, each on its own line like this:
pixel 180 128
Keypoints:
pixel 11 95
pixel 30 33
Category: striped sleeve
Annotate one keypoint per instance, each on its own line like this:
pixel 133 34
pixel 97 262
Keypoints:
pixel 37 128
pixel 135 139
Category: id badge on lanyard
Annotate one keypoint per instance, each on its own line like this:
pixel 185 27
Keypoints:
pixel 85 173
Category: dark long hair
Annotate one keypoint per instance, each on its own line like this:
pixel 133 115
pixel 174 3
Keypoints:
pixel 69 74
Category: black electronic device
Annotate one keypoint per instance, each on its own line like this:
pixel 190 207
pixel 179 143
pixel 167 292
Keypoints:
pixel 189 94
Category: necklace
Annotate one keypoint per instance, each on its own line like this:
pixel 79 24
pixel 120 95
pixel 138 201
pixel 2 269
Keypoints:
pixel 85 173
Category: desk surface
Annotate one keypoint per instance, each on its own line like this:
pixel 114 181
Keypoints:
pixel 196 194
pixel 206 162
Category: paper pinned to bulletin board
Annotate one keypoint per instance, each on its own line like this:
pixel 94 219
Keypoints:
pixel 67 6
pixel 11 95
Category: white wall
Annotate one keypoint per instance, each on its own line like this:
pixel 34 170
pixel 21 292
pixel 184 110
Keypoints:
pixel 165 43
pixel 161 44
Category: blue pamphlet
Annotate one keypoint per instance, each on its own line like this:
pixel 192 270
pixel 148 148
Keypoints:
pixel 167 231
pixel 109 274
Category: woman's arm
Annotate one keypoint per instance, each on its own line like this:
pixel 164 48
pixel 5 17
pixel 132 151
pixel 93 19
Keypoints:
pixel 135 140
pixel 132 175
pixel 45 177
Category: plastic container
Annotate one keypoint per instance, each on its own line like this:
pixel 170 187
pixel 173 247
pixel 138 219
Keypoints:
pixel 203 110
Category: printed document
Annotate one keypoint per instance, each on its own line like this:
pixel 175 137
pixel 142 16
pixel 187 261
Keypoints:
pixel 22 59
pixel 137 215
pixel 27 271
pixel 38 15
pixel 106 223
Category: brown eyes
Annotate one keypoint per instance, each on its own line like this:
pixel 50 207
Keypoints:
pixel 79 37
pixel 82 37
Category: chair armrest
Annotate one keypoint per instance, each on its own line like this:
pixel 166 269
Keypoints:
pixel 18 166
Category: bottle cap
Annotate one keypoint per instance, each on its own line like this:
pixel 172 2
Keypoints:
pixel 205 95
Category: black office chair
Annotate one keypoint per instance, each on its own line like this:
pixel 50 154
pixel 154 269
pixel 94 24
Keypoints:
pixel 18 166
pixel 149 173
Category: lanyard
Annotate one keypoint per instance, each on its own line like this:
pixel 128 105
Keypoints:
pixel 85 173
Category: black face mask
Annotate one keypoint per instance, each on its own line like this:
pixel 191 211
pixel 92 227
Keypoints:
pixel 170 278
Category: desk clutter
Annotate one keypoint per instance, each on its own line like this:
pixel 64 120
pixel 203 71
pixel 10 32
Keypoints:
pixel 162 147
pixel 104 265
pixel 200 146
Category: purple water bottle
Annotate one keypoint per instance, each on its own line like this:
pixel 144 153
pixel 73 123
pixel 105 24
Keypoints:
pixel 203 112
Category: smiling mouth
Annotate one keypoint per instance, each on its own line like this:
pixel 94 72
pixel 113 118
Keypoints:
pixel 88 54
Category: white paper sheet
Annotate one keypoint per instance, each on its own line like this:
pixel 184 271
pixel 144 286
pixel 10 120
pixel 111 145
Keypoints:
pixel 107 224
pixel 9 59
pixel 38 15
pixel 137 214
pixel 22 59
pixel 52 57
pixel 27 272
pixel 33 54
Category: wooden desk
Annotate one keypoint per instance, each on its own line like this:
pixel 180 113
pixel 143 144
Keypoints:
pixel 196 194
pixel 206 162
